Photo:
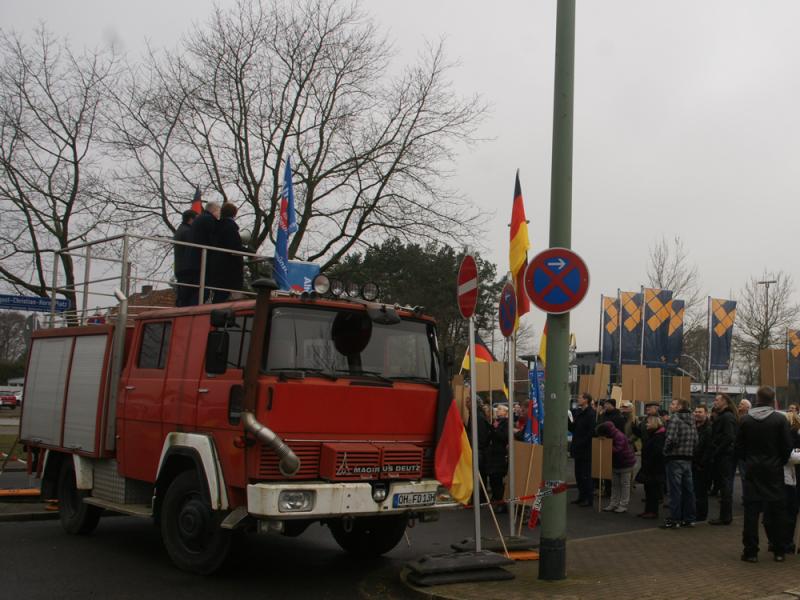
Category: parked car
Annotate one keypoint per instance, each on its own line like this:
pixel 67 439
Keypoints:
pixel 10 401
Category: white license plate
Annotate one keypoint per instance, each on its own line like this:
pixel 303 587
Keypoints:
pixel 414 499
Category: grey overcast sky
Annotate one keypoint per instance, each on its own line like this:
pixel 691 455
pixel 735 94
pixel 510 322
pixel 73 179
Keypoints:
pixel 686 120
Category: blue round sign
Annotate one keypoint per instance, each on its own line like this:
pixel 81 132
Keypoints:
pixel 556 280
pixel 508 310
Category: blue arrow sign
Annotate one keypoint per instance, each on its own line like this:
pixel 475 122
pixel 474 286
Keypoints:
pixel 31 303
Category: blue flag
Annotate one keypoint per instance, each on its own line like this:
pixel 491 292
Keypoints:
pixel 534 427
pixel 287 224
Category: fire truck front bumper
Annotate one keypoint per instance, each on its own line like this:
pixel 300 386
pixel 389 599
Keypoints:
pixel 323 499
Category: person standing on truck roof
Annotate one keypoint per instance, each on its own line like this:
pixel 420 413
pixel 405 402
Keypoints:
pixel 202 232
pixel 226 270
pixel 183 262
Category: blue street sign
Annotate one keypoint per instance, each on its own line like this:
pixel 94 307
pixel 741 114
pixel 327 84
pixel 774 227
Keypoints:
pixel 508 310
pixel 556 280
pixel 31 303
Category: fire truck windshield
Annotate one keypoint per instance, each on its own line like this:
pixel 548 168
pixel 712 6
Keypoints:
pixel 347 343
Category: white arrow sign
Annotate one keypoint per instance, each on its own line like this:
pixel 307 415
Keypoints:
pixel 558 264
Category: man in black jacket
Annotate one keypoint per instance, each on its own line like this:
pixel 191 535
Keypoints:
pixel 764 443
pixel 203 232
pixel 612 413
pixel 183 263
pixel 582 428
pixel 723 437
pixel 701 463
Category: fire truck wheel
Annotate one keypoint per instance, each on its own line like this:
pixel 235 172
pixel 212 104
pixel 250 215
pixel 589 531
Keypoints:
pixel 76 517
pixel 369 536
pixel 190 530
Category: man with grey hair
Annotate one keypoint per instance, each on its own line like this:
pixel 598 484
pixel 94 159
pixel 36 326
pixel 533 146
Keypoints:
pixel 203 232
pixel 744 407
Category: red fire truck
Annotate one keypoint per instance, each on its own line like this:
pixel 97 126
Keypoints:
pixel 260 415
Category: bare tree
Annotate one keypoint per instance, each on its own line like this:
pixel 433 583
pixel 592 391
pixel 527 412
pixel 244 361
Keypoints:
pixel 52 193
pixel 761 324
pixel 12 336
pixel 670 268
pixel 263 81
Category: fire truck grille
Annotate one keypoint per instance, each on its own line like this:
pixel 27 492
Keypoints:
pixel 350 462
pixel 307 452
pixel 401 461
pixel 364 461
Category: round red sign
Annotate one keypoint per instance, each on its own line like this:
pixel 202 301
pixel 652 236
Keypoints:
pixel 467 287
pixel 556 280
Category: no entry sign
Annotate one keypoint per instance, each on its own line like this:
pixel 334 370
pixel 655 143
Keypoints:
pixel 508 310
pixel 556 280
pixel 467 287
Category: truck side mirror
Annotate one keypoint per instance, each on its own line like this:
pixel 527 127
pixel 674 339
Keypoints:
pixel 217 352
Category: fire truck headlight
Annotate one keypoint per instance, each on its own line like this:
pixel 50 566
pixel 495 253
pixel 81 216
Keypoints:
pixel 353 290
pixel 443 495
pixel 379 492
pixel 337 287
pixel 369 291
pixel 296 501
pixel 322 284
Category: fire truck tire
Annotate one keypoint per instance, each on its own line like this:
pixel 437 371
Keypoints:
pixel 190 530
pixel 76 517
pixel 369 536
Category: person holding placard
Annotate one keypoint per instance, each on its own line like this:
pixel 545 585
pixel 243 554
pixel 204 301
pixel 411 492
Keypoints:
pixel 623 460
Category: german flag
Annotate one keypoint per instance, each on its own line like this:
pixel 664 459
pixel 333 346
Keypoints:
pixel 518 251
pixel 482 355
pixel 453 459
pixel 197 204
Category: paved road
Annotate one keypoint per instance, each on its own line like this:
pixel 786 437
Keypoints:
pixel 124 558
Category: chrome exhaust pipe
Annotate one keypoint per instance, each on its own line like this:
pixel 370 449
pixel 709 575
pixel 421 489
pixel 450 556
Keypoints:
pixel 289 463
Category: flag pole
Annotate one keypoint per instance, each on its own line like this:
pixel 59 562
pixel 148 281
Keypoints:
pixel 512 358
pixel 473 398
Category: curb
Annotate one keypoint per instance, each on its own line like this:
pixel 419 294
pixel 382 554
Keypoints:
pixel 28 516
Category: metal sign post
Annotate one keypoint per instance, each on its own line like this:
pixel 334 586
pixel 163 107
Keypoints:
pixel 467 293
pixel 508 317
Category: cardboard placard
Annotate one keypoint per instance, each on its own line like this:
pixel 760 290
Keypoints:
pixel 585 383
pixel 489 376
pixel 616 394
pixel 527 470
pixel 640 384
pixel 681 388
pixel 602 379
pixel 460 396
pixel 773 365
pixel 601 458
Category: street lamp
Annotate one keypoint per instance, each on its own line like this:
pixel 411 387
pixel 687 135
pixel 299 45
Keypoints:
pixel 766 284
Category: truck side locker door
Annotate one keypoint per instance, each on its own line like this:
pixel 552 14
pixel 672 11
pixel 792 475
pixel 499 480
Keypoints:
pixel 141 429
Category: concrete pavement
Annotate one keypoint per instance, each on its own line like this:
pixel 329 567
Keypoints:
pixel 701 563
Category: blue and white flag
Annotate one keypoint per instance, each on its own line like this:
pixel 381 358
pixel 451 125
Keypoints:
pixel 287 224
pixel 534 427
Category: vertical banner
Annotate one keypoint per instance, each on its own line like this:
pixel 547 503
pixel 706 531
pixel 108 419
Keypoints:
pixel 656 327
pixel 793 339
pixel 534 427
pixel 630 343
pixel 722 314
pixel 676 310
pixel 609 332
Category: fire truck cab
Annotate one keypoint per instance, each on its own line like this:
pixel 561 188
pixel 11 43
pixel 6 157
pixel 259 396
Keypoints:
pixel 264 415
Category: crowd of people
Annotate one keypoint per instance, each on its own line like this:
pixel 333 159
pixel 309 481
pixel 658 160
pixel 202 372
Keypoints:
pixel 690 454
pixel 224 272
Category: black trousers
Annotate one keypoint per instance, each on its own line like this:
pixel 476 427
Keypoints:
pixel 497 486
pixel 700 479
pixel 724 470
pixel 653 494
pixel 184 295
pixel 583 478
pixel 774 523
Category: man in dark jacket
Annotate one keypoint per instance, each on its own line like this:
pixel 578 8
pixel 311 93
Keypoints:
pixel 764 443
pixel 639 428
pixel 202 232
pixel 723 437
pixel 679 445
pixel 582 428
pixel 612 413
pixel 183 263
pixel 498 457
pixel 226 270
pixel 701 463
